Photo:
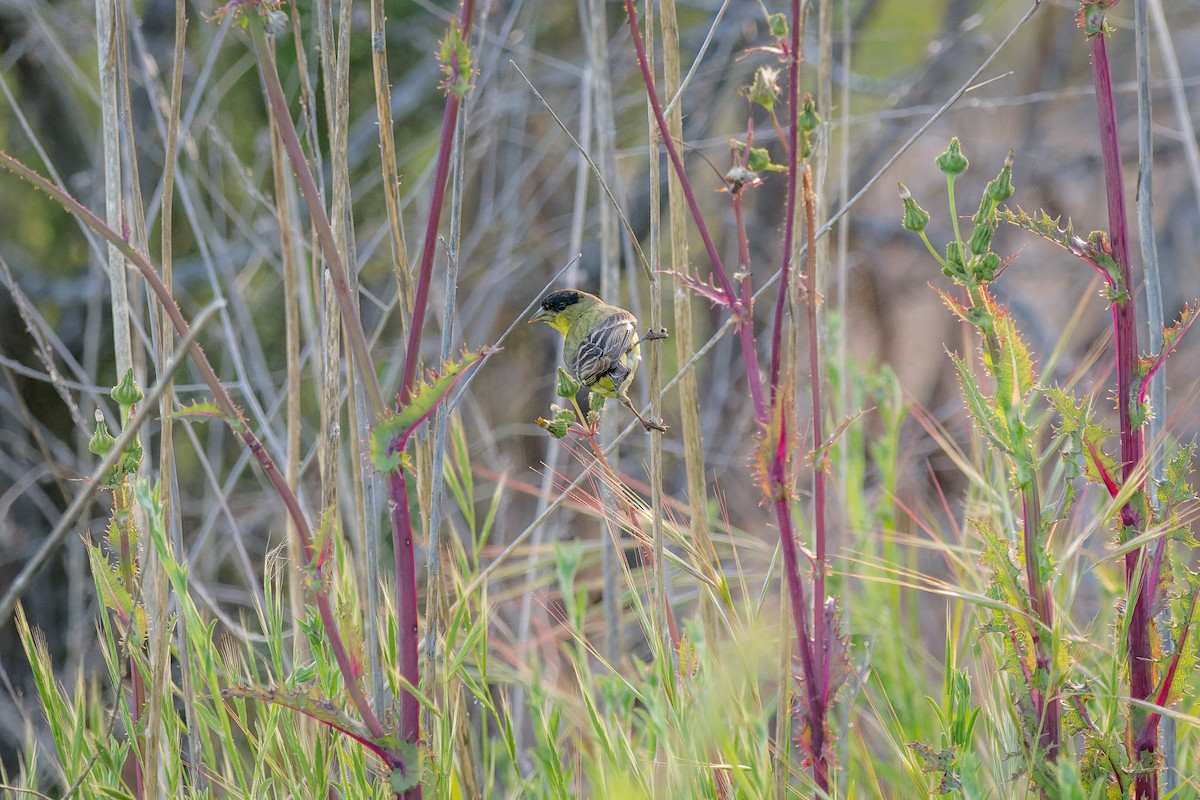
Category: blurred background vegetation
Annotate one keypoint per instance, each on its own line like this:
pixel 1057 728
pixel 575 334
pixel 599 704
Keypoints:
pixel 529 206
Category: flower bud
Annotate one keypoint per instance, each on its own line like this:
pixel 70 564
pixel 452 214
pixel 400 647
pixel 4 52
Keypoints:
pixel 915 217
pixel 126 393
pixel 566 386
pixel 955 263
pixel 809 119
pixel 778 25
pixel 101 441
pixel 981 239
pixel 987 267
pixel 1001 188
pixel 952 162
pixel 556 427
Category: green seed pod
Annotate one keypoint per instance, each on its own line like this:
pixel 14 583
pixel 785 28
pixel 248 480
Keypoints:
pixel 556 427
pixel 955 263
pixel 765 88
pixel 987 267
pixel 566 386
pixel 101 441
pixel 915 217
pixel 981 239
pixel 809 119
pixel 778 25
pixel 952 162
pixel 132 459
pixel 126 393
pixel 1001 188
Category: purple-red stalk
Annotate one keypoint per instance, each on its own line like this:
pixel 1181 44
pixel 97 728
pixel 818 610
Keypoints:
pixel 406 607
pixel 777 473
pixel 818 433
pixel 676 159
pixel 789 222
pixel 402 534
pixel 441 178
pixel 1138 641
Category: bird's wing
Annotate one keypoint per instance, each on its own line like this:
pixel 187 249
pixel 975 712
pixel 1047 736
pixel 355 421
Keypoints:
pixel 601 351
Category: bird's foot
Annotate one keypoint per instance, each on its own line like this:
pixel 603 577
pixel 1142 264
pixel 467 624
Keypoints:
pixel 648 424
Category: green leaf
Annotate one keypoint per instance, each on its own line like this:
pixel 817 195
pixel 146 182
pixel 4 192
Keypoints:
pixel 1013 368
pixel 454 57
pixel 198 410
pixel 1086 438
pixel 408 774
pixel 1095 250
pixel 991 422
pixel 307 700
pixel 390 436
pixel 1149 365
pixel 111 590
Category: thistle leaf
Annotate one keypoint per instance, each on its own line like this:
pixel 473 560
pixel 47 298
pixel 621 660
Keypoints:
pixel 390 436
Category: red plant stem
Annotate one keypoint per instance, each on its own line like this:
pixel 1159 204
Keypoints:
pixel 676 159
pixel 122 519
pixel 137 682
pixel 402 534
pixel 406 606
pixel 777 477
pixel 789 222
pixel 1138 637
pixel 231 414
pixel 818 688
pixel 815 703
pixel 138 701
pixel 441 177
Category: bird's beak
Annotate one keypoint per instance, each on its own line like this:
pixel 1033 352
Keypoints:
pixel 542 315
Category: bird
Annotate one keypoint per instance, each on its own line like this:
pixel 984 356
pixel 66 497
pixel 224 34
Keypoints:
pixel 602 348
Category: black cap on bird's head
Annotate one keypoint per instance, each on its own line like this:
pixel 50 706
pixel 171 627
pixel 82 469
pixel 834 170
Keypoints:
pixel 557 302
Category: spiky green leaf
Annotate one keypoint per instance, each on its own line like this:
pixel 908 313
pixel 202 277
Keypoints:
pixel 989 419
pixel 390 436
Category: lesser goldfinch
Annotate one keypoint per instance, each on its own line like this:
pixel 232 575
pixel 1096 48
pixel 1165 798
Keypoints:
pixel 602 343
